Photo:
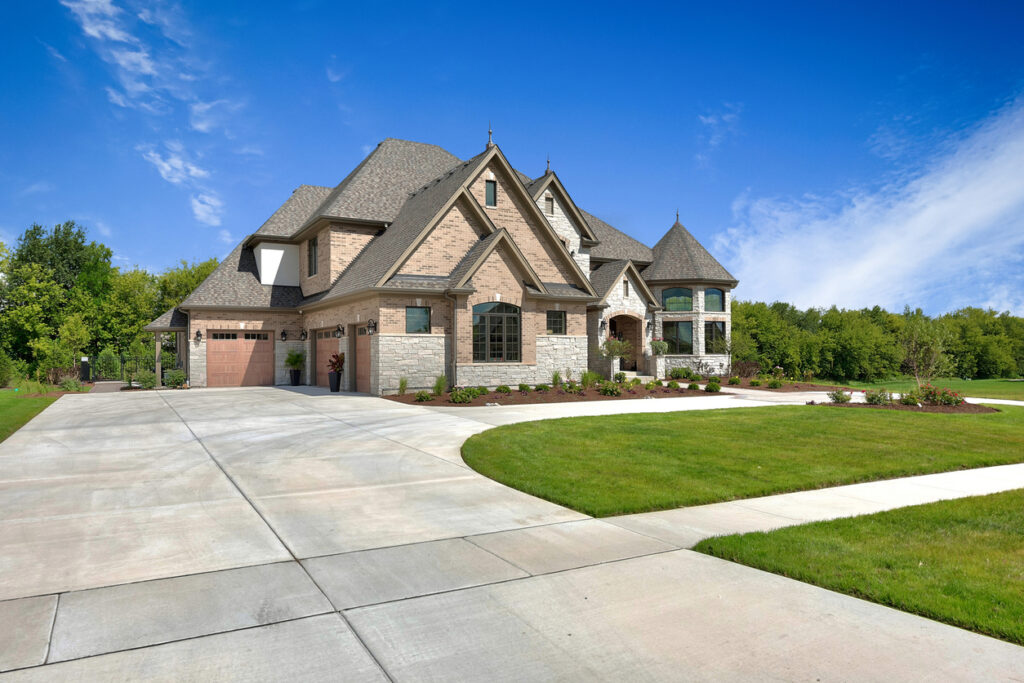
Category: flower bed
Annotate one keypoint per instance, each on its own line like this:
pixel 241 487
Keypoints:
pixel 962 408
pixel 552 395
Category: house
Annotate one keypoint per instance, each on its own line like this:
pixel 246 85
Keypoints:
pixel 419 264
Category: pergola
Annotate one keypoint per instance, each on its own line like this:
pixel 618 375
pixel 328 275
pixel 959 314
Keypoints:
pixel 172 321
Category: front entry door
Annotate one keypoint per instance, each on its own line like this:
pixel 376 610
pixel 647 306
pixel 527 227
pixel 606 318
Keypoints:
pixel 362 360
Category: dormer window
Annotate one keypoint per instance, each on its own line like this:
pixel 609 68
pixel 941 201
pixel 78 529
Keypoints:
pixel 549 205
pixel 312 254
pixel 492 192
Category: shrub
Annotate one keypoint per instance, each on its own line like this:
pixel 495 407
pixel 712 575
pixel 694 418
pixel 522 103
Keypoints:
pixel 808 375
pixel 659 347
pixel 881 397
pixel 461 395
pixel 778 372
pixel 775 383
pixel 440 384
pixel 403 384
pixel 910 398
pixel 424 396
pixel 69 383
pixel 735 380
pixel 935 396
pixel 635 382
pixel 296 360
pixel 693 386
pixel 590 379
pixel 673 384
pixel 658 383
pixel 712 386
pixel 620 377
pixel 108 365
pixel 610 389
pixel 6 369
pixel 175 378
pixel 147 379
pixel 336 363
pixel 838 396
pixel 746 368
pixel 755 382
pixel 679 373
pixel 650 386
pixel 525 388
pixel 481 391
pixel 573 387
pixel 542 388
pixel 556 379
pixel 504 389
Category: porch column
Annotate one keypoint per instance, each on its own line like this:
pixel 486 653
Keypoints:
pixel 157 339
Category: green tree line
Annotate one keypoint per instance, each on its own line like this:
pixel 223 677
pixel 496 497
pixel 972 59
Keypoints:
pixel 61 298
pixel 873 344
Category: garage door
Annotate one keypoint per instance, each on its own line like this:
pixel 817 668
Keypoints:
pixel 326 346
pixel 239 359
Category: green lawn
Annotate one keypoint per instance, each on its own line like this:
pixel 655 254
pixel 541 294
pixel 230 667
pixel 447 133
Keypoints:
pixel 636 463
pixel 980 388
pixel 958 561
pixel 16 410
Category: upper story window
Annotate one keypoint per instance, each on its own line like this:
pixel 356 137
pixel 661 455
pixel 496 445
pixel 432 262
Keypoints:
pixel 549 206
pixel 492 192
pixel 714 300
pixel 417 319
pixel 556 322
pixel 312 255
pixel 625 288
pixel 496 337
pixel 677 299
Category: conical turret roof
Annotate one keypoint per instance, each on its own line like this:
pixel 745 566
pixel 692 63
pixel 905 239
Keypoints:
pixel 679 256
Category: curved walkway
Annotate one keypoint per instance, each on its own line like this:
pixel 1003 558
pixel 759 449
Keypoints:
pixel 278 534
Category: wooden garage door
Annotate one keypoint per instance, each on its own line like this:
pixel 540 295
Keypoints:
pixel 362 361
pixel 326 346
pixel 239 359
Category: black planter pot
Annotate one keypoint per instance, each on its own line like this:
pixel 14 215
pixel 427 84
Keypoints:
pixel 335 380
pixel 295 377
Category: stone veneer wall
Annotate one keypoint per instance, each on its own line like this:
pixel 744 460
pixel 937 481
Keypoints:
pixel 281 349
pixel 420 358
pixel 566 229
pixel 197 363
pixel 708 365
pixel 564 353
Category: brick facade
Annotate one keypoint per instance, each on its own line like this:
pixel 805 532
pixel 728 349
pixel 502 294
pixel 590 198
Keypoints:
pixel 446 244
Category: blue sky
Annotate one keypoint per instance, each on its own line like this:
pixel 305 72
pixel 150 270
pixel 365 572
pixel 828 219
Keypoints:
pixel 858 155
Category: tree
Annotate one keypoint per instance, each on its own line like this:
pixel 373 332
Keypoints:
pixel 924 346
pixel 31 307
pixel 130 306
pixel 64 254
pixel 175 284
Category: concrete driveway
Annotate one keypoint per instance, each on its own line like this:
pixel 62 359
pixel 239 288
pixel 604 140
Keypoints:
pixel 277 534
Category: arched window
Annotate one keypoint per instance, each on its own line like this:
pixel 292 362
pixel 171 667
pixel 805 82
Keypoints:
pixel 496 337
pixel 677 299
pixel 714 300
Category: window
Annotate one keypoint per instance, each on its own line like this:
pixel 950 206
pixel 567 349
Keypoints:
pixel 549 206
pixel 677 299
pixel 625 288
pixel 312 253
pixel 492 192
pixel 679 336
pixel 714 300
pixel 257 336
pixel 556 322
pixel 224 335
pixel 417 319
pixel 496 333
pixel 714 337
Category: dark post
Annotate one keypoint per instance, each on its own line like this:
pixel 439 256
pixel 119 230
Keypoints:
pixel 83 373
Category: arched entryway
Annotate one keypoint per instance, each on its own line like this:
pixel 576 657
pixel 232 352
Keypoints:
pixel 630 329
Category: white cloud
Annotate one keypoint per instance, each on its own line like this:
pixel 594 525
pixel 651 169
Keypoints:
pixel 53 51
pixel 225 237
pixel 173 167
pixel 947 234
pixel 716 128
pixel 97 19
pixel 250 151
pixel 103 229
pixel 37 188
pixel 334 72
pixel 205 116
pixel 207 208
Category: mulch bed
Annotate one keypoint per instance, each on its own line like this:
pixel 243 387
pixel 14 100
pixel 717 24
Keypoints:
pixel 516 398
pixel 786 386
pixel 962 408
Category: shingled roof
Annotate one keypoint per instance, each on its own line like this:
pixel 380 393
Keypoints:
pixel 171 321
pixel 615 244
pixel 236 284
pixel 294 212
pixel 679 256
pixel 378 187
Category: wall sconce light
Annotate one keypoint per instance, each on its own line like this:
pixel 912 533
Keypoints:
pixel 371 326
pixel 650 324
pixel 303 336
pixel 199 336
pixel 284 335
pixel 604 324
pixel 339 332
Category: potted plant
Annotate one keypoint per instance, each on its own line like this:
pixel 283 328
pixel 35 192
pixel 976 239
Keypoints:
pixel 336 365
pixel 295 361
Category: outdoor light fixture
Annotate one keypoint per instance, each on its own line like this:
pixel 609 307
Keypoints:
pixel 199 336
pixel 371 326
pixel 338 332
pixel 284 335
pixel 303 336
pixel 650 324
pixel 604 324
